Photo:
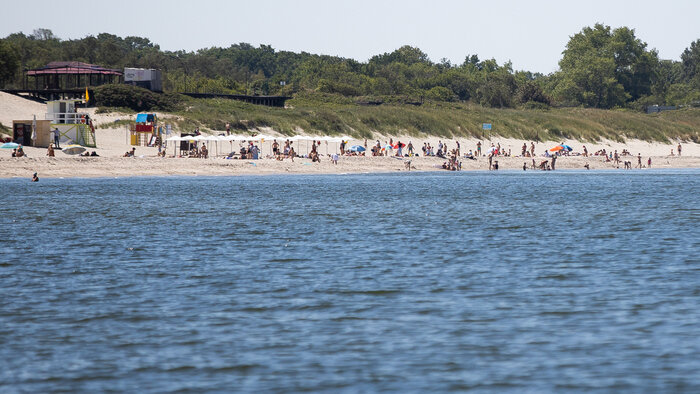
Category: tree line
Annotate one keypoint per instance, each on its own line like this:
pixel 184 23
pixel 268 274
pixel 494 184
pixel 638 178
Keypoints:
pixel 601 67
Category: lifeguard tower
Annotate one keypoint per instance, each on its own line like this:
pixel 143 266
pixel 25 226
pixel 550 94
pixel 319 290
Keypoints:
pixel 73 127
pixel 145 132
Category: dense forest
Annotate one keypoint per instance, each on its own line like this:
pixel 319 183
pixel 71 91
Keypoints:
pixel 600 67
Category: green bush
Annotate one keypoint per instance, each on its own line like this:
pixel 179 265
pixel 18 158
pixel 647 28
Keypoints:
pixel 440 93
pixel 135 98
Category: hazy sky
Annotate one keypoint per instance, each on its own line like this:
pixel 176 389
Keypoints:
pixel 532 34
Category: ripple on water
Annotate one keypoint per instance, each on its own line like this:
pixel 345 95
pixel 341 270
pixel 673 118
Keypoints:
pixel 430 282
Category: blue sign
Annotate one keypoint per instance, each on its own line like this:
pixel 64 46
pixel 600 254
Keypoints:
pixel 486 126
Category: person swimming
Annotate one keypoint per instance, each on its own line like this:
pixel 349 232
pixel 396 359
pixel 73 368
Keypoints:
pixel 35 177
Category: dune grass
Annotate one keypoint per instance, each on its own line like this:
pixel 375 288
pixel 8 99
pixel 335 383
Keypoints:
pixel 322 114
pixel 4 130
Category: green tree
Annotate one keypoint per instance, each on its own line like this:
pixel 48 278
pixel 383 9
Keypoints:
pixel 9 62
pixel 605 68
pixel 690 60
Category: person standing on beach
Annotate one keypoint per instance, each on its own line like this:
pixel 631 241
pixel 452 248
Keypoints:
pixel 524 149
pixel 410 148
pixel 649 163
pixel 679 149
pixel 56 137
pixel 478 148
pixel 490 160
pixel 554 161
pixel 585 151
pixel 532 149
pixel 228 128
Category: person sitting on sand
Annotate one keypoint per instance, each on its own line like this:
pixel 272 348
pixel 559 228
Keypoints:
pixel 94 154
pixel 20 152
pixel 50 151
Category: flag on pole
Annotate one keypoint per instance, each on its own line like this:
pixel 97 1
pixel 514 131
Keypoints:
pixel 87 96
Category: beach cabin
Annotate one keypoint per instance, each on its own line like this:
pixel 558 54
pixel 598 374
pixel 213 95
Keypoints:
pixel 73 127
pixel 32 132
pixel 150 79
pixel 145 132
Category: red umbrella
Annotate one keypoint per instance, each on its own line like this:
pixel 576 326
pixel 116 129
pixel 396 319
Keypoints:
pixel 397 145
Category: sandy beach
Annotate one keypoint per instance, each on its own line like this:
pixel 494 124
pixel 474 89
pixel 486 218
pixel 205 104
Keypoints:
pixel 112 143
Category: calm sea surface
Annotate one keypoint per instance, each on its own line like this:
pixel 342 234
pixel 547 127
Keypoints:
pixel 560 281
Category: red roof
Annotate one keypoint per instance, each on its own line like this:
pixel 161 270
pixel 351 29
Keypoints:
pixel 72 68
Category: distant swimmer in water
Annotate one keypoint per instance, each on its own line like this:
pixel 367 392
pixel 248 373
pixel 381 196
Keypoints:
pixel 35 178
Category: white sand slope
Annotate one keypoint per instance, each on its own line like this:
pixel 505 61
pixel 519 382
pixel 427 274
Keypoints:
pixel 112 143
pixel 17 108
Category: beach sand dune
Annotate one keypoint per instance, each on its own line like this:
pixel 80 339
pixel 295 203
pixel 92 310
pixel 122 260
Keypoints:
pixel 112 143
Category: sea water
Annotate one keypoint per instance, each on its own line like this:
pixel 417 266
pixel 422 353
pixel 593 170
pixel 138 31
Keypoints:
pixel 510 281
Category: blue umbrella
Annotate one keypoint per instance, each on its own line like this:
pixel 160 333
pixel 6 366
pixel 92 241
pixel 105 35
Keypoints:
pixel 9 145
pixel 567 147
pixel 357 148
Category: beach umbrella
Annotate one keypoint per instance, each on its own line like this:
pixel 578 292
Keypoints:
pixel 174 139
pixel 567 147
pixel 556 148
pixel 73 149
pixel 493 149
pixel 396 146
pixel 214 139
pixel 357 148
pixel 9 145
